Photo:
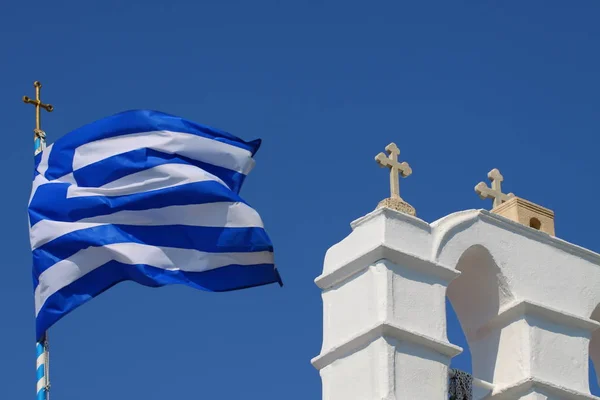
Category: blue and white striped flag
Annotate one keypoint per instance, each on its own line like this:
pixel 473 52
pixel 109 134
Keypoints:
pixel 147 197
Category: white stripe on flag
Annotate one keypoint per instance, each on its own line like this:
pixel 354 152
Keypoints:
pixel 67 271
pixel 156 178
pixel 223 215
pixel 43 165
pixel 186 144
pixel 38 181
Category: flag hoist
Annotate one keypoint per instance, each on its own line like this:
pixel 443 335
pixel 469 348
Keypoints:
pixel 42 352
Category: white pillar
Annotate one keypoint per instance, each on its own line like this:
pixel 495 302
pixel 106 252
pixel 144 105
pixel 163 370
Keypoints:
pixel 384 317
pixel 535 349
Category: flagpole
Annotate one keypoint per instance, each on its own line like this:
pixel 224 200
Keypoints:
pixel 42 351
pixel 42 348
pixel 43 369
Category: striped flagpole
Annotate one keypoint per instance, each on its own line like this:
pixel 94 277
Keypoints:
pixel 43 371
pixel 42 352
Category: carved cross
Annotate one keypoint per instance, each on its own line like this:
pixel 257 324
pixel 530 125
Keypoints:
pixel 496 190
pixel 396 168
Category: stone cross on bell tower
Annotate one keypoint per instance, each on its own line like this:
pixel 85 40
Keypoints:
pixel 397 169
pixel 495 192
pixel 515 208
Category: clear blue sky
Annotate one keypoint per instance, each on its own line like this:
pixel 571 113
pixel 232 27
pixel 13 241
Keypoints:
pixel 461 87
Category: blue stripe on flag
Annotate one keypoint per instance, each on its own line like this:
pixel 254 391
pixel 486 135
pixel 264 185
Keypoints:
pixel 228 278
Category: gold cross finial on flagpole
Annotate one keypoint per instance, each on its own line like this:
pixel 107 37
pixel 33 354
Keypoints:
pixel 38 106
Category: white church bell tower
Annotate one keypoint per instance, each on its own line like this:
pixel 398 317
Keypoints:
pixel 527 302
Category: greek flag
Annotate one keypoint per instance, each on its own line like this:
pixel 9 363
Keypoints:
pixel 147 197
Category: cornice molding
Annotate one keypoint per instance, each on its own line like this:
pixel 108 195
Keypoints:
pixel 382 251
pixel 383 330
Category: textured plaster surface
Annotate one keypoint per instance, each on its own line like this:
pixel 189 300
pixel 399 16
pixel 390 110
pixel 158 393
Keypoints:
pixel 523 297
pixel 397 204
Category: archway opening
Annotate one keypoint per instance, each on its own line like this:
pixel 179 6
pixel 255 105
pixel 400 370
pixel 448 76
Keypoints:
pixel 476 297
pixel 457 336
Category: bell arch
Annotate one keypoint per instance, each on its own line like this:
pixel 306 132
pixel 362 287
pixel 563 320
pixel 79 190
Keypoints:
pixel 477 296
